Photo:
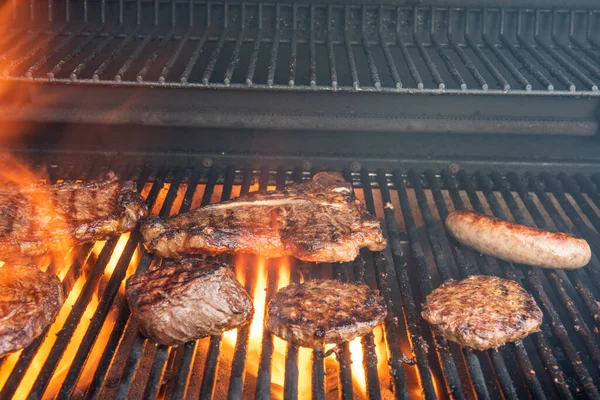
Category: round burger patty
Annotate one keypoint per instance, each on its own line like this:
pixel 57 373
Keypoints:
pixel 317 312
pixel 482 312
pixel 29 301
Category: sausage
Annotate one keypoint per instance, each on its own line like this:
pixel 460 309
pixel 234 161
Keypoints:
pixel 518 243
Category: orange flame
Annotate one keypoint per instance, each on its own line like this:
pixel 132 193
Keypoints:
pixel 37 200
pixel 71 350
pixel 280 347
pixel 246 271
pixel 358 372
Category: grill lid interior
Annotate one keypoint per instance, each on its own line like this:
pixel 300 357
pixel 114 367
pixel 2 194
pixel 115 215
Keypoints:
pixel 328 65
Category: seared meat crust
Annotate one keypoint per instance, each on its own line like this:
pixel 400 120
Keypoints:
pixel 518 243
pixel 318 312
pixel 316 221
pixel 187 299
pixel 38 219
pixel 482 312
pixel 29 301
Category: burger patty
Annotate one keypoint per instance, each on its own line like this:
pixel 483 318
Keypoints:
pixel 29 301
pixel 482 312
pixel 187 299
pixel 317 312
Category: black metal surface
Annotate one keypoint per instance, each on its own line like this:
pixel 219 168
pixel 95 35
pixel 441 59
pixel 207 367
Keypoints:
pixel 563 360
pixel 314 65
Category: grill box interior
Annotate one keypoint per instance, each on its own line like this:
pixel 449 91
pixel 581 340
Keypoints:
pixel 434 66
pixel 199 102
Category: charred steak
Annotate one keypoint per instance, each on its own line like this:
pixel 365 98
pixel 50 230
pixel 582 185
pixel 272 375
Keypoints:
pixel 482 312
pixel 186 300
pixel 317 221
pixel 318 312
pixel 40 218
pixel 29 301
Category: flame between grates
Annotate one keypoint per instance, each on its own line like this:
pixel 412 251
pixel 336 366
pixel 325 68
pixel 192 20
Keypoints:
pixel 93 350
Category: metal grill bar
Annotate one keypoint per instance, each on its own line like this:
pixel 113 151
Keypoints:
pixel 580 226
pixel 330 53
pixel 445 58
pixel 113 55
pixel 441 345
pixel 546 64
pixel 558 328
pixel 136 349
pixel 559 73
pixel 91 56
pixel 483 266
pixel 44 59
pixel 556 278
pixel 235 55
pixel 263 380
pixel 500 367
pixel 194 57
pixel 388 57
pixel 189 348
pixel 578 277
pixel 393 342
pixel 236 381
pixel 469 65
pixel 532 380
pixel 142 74
pixel 212 61
pixel 312 61
pixel 162 352
pixel 473 362
pixel 15 378
pixel 31 52
pixel 133 56
pixel 437 78
pixel 579 45
pixel 380 270
pixel 416 336
pixel 293 49
pixel 486 61
pixel 369 55
pixel 368 346
pixel 291 380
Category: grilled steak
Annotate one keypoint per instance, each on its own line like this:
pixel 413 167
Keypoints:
pixel 482 312
pixel 318 312
pixel 29 300
pixel 186 300
pixel 317 221
pixel 37 219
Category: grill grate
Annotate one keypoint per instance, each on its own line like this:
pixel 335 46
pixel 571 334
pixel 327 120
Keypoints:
pixel 404 359
pixel 304 47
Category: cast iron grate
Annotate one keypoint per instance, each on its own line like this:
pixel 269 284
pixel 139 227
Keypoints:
pixel 303 47
pixel 107 357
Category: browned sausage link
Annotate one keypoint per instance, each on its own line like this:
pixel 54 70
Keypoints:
pixel 518 243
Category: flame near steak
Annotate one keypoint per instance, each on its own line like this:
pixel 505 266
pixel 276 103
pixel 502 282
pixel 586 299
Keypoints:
pixel 260 276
